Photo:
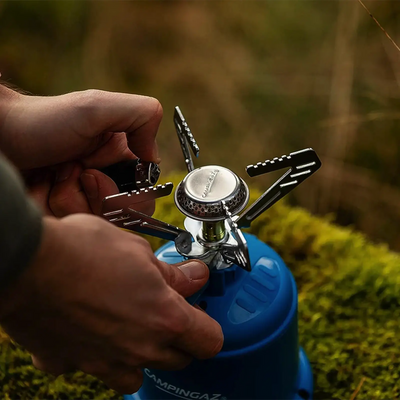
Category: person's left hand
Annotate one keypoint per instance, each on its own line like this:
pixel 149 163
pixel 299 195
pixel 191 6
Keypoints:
pixel 60 142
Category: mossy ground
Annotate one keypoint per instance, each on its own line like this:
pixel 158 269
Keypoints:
pixel 349 312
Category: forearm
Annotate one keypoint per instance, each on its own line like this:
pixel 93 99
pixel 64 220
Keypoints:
pixel 20 225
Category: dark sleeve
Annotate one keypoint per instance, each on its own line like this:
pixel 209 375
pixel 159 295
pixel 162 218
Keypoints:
pixel 20 225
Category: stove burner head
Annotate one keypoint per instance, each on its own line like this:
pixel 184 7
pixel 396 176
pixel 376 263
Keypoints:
pixel 211 197
pixel 200 194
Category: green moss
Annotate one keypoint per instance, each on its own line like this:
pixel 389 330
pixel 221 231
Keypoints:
pixel 349 312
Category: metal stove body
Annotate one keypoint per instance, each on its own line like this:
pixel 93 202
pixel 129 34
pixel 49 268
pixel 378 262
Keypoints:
pixel 251 292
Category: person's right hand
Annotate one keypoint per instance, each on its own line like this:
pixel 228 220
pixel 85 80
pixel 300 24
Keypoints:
pixel 98 300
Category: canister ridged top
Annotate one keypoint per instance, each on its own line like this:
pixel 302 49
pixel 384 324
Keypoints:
pixel 200 194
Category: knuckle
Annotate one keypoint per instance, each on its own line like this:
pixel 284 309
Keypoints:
pixel 143 248
pixel 89 97
pixel 87 104
pixel 155 108
pixel 143 242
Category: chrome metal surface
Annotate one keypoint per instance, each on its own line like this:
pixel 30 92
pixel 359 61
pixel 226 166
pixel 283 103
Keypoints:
pixel 132 220
pixel 302 165
pixel 186 138
pixel 211 183
pixel 235 253
pixel 200 194
pixel 211 197
pixel 124 200
pixel 147 174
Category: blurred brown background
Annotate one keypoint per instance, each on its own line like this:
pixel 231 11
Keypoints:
pixel 254 79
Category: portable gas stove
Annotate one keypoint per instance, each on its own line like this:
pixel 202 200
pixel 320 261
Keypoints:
pixel 251 292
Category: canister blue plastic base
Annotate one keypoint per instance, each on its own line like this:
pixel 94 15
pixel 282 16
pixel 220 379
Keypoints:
pixel 260 359
pixel 304 387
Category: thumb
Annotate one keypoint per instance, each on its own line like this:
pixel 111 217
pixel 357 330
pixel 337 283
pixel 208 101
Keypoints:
pixel 97 186
pixel 187 277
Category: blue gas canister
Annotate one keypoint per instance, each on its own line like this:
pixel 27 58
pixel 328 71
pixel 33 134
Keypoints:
pixel 251 292
pixel 260 358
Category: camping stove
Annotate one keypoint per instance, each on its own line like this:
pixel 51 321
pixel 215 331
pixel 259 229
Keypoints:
pixel 251 292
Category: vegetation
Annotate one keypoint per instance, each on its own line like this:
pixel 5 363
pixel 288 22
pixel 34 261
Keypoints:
pixel 349 308
pixel 253 81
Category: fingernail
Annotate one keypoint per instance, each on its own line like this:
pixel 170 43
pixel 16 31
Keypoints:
pixel 64 172
pixel 156 153
pixel 89 184
pixel 194 270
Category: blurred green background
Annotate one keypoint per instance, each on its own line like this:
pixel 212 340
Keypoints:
pixel 254 79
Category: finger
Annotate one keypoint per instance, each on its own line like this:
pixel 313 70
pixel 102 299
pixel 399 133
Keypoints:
pixel 39 185
pixel 199 308
pixel 98 185
pixel 55 367
pixel 203 337
pixel 138 116
pixel 67 195
pixel 145 149
pixel 114 149
pixel 168 359
pixel 69 127
pixel 186 278
pixel 124 381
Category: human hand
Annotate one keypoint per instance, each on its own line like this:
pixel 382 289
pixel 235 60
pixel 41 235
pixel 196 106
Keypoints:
pixel 61 142
pixel 97 299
